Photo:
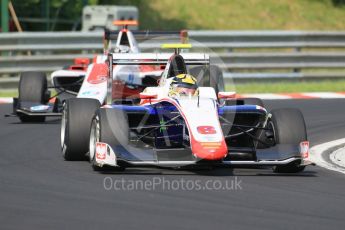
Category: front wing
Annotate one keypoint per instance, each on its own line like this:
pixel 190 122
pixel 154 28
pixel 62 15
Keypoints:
pixel 35 109
pixel 281 154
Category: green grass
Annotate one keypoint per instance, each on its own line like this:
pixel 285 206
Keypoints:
pixel 289 87
pixel 8 93
pixel 267 87
pixel 239 14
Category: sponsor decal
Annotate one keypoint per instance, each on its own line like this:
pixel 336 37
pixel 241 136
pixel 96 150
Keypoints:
pixel 101 151
pixel 162 128
pixel 39 108
pixel 209 138
pixel 90 93
pixel 131 78
pixel 211 145
pixel 206 129
pixel 97 80
pixel 304 149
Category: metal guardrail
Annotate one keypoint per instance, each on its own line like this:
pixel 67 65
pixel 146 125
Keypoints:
pixel 234 61
pixel 286 51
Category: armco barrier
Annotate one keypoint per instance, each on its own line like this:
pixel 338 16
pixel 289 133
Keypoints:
pixel 284 52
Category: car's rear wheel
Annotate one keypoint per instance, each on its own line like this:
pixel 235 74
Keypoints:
pixel 32 88
pixel 75 127
pixel 253 101
pixel 211 76
pixel 216 79
pixel 288 128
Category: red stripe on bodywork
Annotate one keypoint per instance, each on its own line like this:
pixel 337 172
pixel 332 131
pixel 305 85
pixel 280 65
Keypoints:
pixel 121 91
pixel 147 68
pixel 98 74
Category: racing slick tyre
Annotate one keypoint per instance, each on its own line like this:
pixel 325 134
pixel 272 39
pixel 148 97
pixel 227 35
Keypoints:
pixel 216 79
pixel 288 128
pixel 75 127
pixel 33 88
pixel 253 101
pixel 111 127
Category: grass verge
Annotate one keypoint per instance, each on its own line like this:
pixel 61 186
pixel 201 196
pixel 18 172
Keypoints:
pixel 8 93
pixel 265 87
pixel 239 14
pixel 289 86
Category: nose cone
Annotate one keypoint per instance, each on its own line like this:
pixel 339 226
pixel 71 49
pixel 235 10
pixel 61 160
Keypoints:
pixel 210 150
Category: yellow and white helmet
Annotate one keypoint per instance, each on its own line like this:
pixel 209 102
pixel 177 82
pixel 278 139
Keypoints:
pixel 184 84
pixel 185 80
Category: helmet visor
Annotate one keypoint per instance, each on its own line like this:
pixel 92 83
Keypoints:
pixel 185 91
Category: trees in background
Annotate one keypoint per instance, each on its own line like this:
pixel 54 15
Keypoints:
pixel 50 15
pixel 57 15
pixel 338 2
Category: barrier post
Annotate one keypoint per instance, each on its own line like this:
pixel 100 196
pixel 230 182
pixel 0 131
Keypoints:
pixel 4 15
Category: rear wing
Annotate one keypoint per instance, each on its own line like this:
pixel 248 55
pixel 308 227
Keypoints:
pixel 132 38
pixel 156 58
pixel 142 35
pixel 148 59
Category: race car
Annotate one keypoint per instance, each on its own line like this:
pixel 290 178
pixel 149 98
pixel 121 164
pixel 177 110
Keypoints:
pixel 183 122
pixel 85 80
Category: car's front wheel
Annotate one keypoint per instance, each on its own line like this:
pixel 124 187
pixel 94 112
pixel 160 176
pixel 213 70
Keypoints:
pixel 75 127
pixel 33 88
pixel 288 128
pixel 111 127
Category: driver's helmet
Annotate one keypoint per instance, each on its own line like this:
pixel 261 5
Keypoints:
pixel 184 85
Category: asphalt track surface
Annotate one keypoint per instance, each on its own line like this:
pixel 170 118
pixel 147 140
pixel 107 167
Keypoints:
pixel 39 190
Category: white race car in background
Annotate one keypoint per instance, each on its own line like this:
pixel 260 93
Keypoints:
pixel 85 80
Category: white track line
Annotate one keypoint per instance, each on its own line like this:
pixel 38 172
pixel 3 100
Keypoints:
pixel 6 100
pixel 267 96
pixel 324 153
pixel 325 95
pixel 338 157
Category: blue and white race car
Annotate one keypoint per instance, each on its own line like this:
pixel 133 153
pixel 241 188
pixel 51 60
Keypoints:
pixel 168 128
